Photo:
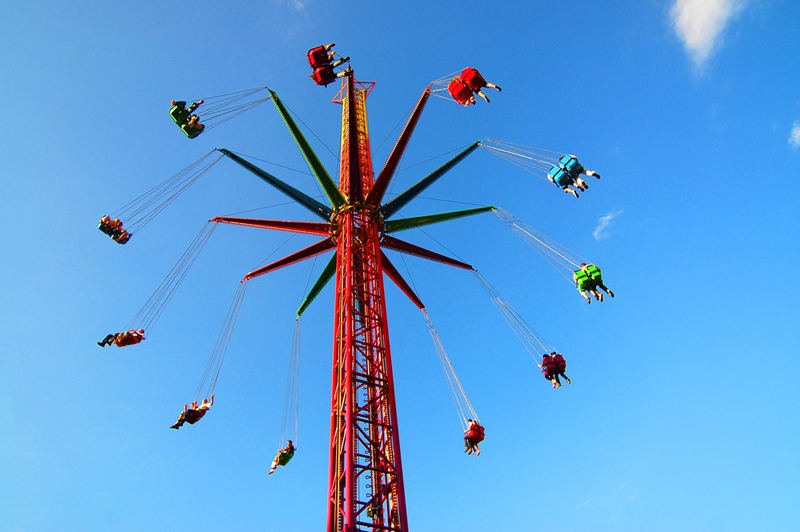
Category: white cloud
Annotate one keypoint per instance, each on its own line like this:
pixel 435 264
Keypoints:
pixel 297 5
pixel 700 23
pixel 601 231
pixel 794 136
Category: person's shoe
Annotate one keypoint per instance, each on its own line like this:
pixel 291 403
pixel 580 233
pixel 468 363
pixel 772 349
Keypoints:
pixel 101 344
pixel 611 293
pixel 569 381
pixel 498 88
pixel 597 175
pixel 172 102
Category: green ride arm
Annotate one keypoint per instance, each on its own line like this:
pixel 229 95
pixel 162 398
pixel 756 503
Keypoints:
pixel 328 185
pixel 392 226
pixel 400 201
pixel 323 280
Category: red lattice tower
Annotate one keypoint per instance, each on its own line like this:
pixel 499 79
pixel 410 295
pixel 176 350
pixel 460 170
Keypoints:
pixel 365 474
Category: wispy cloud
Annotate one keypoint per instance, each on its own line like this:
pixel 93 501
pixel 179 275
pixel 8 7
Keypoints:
pixel 297 5
pixel 794 136
pixel 601 231
pixel 699 24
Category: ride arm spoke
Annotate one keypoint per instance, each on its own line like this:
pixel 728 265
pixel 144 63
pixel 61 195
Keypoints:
pixel 393 226
pixel 314 249
pixel 311 228
pixel 400 201
pixel 405 247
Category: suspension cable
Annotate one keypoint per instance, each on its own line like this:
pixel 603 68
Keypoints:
pixel 143 209
pixel 148 315
pixel 291 402
pixel 208 381
pixel 539 241
pixel 463 404
pixel 534 344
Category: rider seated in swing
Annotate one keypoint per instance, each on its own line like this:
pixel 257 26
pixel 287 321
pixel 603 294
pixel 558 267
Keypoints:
pixel 584 284
pixel 559 369
pixel 460 92
pixel 193 127
pixel 179 113
pixel 185 117
pixel 123 338
pixel 549 368
pixel 113 228
pixel 473 79
pixel 283 457
pixel 193 414
pixel 472 437
pixel 596 277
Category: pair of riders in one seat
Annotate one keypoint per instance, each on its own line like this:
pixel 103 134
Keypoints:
pixel 321 59
pixel 472 437
pixel 553 366
pixel 113 228
pixel 123 338
pixel 568 172
pixel 464 87
pixel 588 279
pixel 185 118
pixel 191 414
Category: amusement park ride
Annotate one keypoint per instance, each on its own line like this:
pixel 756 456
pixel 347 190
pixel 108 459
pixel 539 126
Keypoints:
pixel 365 474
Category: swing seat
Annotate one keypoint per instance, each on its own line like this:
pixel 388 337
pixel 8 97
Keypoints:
pixel 459 91
pixel 179 113
pixel 126 338
pixel 473 79
pixel 190 131
pixel 584 282
pixel 561 177
pixel 121 236
pixel 284 458
pixel 475 434
pixel 324 75
pixel 594 274
pixel 571 164
pixel 318 57
pixel 193 416
pixel 106 228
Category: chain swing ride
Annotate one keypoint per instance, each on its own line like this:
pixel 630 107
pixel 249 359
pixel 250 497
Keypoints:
pixel 365 488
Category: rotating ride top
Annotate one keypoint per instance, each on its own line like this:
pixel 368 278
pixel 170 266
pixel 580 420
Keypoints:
pixel 365 478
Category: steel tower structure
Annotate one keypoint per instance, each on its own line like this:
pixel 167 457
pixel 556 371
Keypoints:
pixel 365 474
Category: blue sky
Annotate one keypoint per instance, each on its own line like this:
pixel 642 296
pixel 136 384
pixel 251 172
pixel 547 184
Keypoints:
pixel 682 413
